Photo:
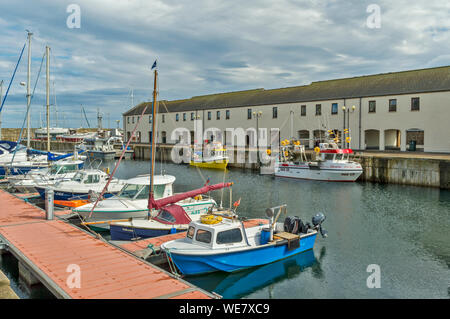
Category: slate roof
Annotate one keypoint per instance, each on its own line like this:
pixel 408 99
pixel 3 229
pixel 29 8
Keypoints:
pixel 396 83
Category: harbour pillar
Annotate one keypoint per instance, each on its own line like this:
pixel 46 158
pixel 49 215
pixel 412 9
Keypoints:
pixel 27 276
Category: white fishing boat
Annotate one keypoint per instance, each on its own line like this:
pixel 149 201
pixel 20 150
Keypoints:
pixel 98 147
pixel 331 163
pixel 62 170
pixel 132 202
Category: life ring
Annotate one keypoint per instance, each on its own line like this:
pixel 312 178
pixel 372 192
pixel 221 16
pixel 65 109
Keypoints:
pixel 317 149
pixel 210 219
pixel 269 152
pixel 198 197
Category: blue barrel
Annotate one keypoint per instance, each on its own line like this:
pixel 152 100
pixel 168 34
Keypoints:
pixel 265 236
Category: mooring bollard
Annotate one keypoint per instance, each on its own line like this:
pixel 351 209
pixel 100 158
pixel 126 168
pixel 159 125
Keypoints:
pixel 49 205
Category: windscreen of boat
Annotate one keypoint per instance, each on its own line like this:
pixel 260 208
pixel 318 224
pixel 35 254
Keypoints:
pixel 134 191
pixel 62 169
pixel 165 216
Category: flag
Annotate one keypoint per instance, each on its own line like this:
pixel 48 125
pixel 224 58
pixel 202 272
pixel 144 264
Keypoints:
pixel 154 65
pixel 207 182
pixel 237 203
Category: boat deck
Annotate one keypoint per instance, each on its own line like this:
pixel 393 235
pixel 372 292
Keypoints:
pixel 49 248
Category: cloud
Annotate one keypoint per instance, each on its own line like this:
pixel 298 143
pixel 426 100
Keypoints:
pixel 208 46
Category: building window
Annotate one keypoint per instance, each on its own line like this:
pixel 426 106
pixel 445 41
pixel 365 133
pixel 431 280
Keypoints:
pixel 227 114
pixel 249 114
pixel 303 110
pixel 132 119
pixel 150 136
pixel 318 109
pixel 128 120
pixel 192 116
pixel 334 108
pixel 275 112
pixel 218 115
pixel 163 118
pixel 184 117
pixel 177 117
pixel 150 118
pixel 393 105
pixel 415 104
pixel 163 137
pixel 372 106
pixel 209 115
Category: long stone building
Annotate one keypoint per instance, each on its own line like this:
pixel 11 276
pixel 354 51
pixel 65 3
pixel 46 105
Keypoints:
pixel 405 111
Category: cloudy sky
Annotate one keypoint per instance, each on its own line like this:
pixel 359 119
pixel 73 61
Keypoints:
pixel 206 46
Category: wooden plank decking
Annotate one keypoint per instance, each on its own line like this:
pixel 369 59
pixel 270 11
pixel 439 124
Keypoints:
pixel 50 247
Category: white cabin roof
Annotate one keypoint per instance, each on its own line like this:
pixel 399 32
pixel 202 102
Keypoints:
pixel 157 180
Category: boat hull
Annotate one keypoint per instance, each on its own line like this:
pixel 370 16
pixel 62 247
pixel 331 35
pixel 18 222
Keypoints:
pixel 239 260
pixel 318 174
pixel 102 155
pixel 218 164
pixel 67 196
pixel 119 232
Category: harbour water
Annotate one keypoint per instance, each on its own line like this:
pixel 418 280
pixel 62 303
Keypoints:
pixel 404 230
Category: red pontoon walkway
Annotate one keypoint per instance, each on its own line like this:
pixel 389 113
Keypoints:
pixel 49 248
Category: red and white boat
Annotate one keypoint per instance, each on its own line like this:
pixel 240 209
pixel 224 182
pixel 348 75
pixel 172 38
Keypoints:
pixel 331 163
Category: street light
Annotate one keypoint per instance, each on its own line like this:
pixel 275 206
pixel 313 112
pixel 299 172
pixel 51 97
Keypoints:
pixel 348 111
pixel 257 115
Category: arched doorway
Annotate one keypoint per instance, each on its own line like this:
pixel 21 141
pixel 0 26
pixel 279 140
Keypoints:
pixel 372 139
pixel 392 139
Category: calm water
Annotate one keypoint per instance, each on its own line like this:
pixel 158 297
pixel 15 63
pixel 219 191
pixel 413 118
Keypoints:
pixel 405 230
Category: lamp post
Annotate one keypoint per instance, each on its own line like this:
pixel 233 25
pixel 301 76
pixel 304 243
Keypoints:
pixel 257 115
pixel 346 110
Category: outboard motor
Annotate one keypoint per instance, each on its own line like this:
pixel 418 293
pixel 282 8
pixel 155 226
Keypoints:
pixel 294 225
pixel 317 221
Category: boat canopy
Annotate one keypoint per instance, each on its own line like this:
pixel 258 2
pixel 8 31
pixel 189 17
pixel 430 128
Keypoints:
pixel 173 214
pixel 157 180
pixel 152 203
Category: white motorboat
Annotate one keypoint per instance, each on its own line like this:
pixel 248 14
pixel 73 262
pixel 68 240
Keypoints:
pixel 61 170
pixel 132 202
pixel 84 183
pixel 331 163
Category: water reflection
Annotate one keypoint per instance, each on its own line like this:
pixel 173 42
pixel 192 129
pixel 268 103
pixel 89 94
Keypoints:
pixel 243 283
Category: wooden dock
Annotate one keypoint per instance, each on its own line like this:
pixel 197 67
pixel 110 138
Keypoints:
pixel 57 253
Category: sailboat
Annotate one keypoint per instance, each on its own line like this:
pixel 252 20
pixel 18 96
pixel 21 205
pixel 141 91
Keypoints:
pixel 21 160
pixel 172 211
pixel 213 156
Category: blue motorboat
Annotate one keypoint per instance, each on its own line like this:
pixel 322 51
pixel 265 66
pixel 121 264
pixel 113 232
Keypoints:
pixel 219 242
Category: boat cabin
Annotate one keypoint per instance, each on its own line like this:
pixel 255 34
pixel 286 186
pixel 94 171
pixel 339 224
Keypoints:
pixel 224 234
pixel 331 152
pixel 90 177
pixel 138 187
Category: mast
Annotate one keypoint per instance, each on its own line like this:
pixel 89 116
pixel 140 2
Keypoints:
pixel 28 89
pixel 150 206
pixel 47 87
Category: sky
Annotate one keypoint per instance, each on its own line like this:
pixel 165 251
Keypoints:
pixel 204 47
